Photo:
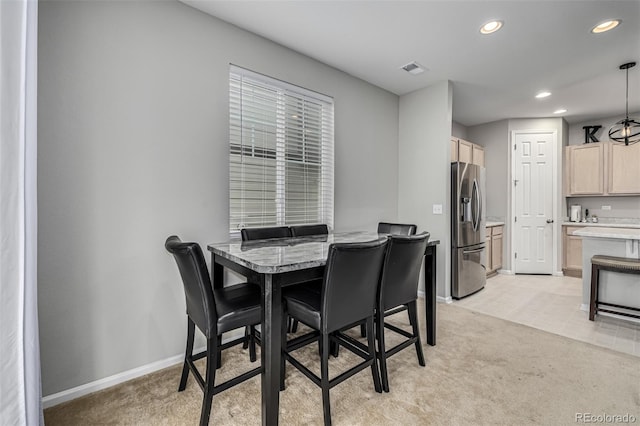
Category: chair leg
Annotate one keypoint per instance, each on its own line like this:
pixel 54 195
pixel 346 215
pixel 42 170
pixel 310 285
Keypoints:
pixel 324 379
pixel 212 361
pixel 191 330
pixel 382 355
pixel 371 337
pixel 363 330
pixel 252 343
pixel 334 346
pixel 293 325
pixel 413 319
pixel 247 332
pixel 593 301
pixel 219 357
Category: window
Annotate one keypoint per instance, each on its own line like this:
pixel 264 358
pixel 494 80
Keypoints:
pixel 281 153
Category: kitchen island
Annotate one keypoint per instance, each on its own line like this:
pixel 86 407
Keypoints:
pixel 618 288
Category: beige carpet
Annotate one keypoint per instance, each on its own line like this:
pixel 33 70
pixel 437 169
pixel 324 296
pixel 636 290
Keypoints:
pixel 483 371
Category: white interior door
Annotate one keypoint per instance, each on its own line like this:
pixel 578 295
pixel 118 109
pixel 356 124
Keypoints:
pixel 533 202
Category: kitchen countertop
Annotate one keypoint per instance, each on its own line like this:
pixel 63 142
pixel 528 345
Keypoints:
pixel 615 233
pixel 491 224
pixel 603 225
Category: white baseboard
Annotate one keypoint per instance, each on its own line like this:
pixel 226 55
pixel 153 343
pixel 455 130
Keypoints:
pixel 116 379
pixel 505 272
pixel 439 299
pixel 558 274
pixel 584 307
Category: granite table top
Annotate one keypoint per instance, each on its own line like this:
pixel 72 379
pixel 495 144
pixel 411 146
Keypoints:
pixel 288 254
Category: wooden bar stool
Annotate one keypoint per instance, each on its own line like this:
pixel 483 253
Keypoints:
pixel 623 265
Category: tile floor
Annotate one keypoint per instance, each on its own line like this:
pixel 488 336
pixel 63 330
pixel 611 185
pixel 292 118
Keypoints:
pixel 552 304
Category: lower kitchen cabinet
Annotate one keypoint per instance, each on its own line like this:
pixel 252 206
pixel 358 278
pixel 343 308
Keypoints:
pixel 572 252
pixel 494 249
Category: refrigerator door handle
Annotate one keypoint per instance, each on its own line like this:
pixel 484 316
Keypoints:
pixel 478 250
pixel 480 206
pixel 475 218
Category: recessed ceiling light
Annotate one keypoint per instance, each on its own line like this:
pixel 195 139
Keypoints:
pixel 543 95
pixel 491 27
pixel 606 26
pixel 560 111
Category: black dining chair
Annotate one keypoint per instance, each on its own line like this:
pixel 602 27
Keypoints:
pixel 392 229
pixel 396 228
pixel 348 297
pixel 308 230
pixel 250 234
pixel 213 311
pixel 398 291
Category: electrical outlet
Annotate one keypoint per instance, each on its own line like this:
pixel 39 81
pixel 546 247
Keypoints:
pixel 606 207
pixel 437 209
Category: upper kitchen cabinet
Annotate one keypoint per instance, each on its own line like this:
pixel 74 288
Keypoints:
pixel 602 168
pixel 624 169
pixel 466 152
pixel 584 169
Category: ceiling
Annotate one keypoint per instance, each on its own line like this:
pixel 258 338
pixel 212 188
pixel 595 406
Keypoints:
pixel 543 45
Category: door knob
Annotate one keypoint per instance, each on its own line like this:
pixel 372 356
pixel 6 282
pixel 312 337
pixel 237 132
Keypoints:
pixel 549 220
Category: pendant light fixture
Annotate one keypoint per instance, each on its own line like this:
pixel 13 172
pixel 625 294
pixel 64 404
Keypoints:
pixel 626 130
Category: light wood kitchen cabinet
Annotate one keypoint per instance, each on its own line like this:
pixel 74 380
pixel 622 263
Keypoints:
pixel 602 168
pixel 478 155
pixel 487 245
pixel 572 252
pixel 466 152
pixel 494 249
pixel 454 150
pixel 624 169
pixel 584 167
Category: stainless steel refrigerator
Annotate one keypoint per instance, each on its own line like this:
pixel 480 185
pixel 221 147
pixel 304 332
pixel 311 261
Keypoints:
pixel 468 260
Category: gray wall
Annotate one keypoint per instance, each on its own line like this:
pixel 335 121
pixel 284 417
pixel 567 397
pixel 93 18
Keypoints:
pixel 424 169
pixel 493 137
pixel 133 147
pixel 458 130
pixel 576 132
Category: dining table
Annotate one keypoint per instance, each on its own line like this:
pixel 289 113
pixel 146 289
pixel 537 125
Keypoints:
pixel 281 262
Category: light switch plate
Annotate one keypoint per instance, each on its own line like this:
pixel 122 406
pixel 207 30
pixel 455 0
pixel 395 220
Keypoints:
pixel 437 209
pixel 606 207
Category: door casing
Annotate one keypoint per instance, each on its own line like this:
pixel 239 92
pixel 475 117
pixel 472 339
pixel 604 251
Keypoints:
pixel 555 226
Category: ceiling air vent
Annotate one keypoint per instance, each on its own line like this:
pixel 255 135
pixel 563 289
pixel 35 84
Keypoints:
pixel 413 68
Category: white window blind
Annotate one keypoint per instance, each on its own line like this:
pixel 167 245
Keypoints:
pixel 281 153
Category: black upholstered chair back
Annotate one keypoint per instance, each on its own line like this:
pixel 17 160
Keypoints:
pixel 250 234
pixel 396 228
pixel 401 269
pixel 201 307
pixel 304 230
pixel 351 278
